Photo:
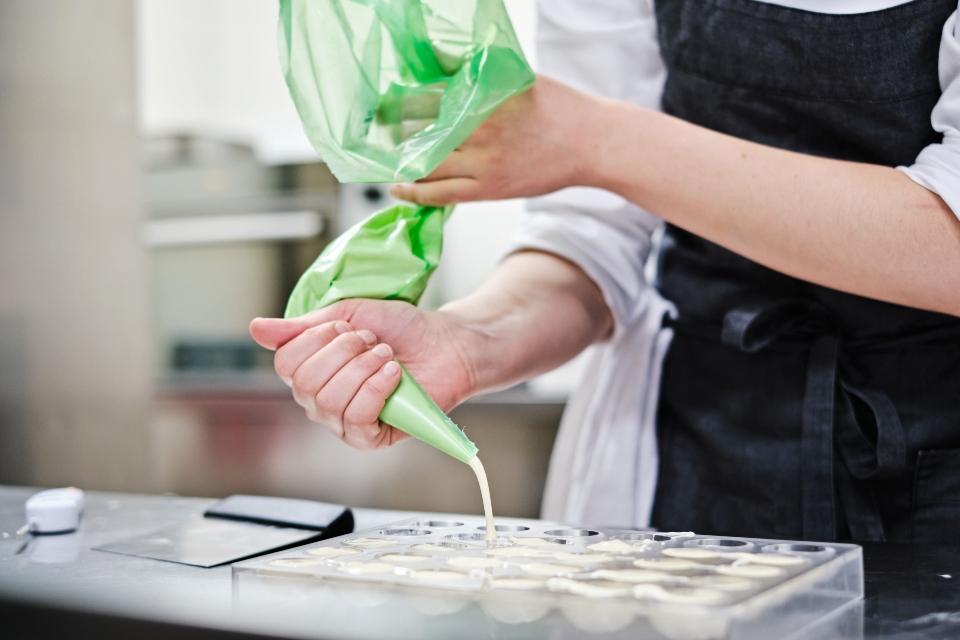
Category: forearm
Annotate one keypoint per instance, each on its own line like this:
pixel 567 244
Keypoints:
pixel 860 228
pixel 533 313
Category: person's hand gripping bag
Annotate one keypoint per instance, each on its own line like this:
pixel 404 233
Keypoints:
pixel 386 89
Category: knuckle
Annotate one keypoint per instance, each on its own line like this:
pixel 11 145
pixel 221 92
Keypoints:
pixel 300 383
pixel 320 331
pixel 328 406
pixel 353 343
pixel 281 366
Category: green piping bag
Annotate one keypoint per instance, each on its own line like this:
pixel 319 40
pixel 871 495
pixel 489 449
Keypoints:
pixel 390 256
pixel 386 89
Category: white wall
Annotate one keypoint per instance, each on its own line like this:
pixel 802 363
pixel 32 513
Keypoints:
pixel 72 269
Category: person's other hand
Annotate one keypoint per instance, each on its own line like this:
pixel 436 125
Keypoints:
pixel 339 361
pixel 531 145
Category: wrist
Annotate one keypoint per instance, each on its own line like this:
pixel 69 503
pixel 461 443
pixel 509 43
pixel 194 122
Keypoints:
pixel 618 137
pixel 474 340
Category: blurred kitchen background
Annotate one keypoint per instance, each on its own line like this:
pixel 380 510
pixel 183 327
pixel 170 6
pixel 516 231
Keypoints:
pixel 156 193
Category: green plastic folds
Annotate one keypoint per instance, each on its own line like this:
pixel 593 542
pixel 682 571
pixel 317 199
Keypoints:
pixel 388 256
pixel 386 89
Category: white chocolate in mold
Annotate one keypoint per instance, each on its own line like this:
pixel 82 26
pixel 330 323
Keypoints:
pixel 722 583
pixel 365 568
pixel 770 559
pixel 590 588
pixel 434 547
pixel 617 546
pixel 473 562
pixel 635 576
pixel 550 569
pixel 517 552
pixel 583 558
pixel 403 558
pixel 679 596
pixel 332 552
pixel 295 562
pixel 665 564
pixel 599 573
pixel 686 553
pixel 518 584
pixel 754 571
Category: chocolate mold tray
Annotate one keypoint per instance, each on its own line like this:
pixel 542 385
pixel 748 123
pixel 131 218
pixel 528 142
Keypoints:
pixel 675 585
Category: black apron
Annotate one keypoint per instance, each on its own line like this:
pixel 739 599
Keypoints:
pixel 787 409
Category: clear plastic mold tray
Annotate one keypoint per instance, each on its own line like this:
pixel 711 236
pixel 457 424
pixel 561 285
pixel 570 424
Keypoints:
pixel 547 580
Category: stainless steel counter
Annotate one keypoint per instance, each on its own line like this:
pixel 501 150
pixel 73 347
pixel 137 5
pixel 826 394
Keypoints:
pixel 912 593
pixel 65 571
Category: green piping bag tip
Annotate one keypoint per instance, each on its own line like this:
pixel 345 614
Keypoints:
pixel 413 411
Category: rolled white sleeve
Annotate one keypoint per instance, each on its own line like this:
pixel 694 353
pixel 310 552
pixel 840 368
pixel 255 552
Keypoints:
pixel 607 48
pixel 938 166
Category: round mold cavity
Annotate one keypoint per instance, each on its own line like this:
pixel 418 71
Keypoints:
pixel 295 562
pixel 720 544
pixel 406 532
pixel 441 545
pixel 438 524
pixel 403 557
pixel 466 536
pixel 722 583
pixel 637 537
pixel 548 569
pixel 751 571
pixel 807 550
pixel 571 533
pixel 506 528
pixel 671 565
pixel 439 575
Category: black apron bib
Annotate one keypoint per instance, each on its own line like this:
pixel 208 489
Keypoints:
pixel 787 409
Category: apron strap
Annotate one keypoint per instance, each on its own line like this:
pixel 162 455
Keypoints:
pixel 816 441
pixel 753 327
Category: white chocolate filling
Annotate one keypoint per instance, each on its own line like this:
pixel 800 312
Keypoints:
pixel 678 596
pixel 665 564
pixel 617 546
pixel 722 583
pixel 361 568
pixel 402 558
pixel 516 552
pixel 755 571
pixel 295 562
pixel 550 569
pixel 589 589
pixel 332 552
pixel 470 562
pixel 691 554
pixel 434 547
pixel 583 558
pixel 770 559
pixel 518 584
pixel 636 576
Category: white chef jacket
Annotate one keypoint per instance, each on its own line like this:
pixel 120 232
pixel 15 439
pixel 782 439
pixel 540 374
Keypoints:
pixel 604 465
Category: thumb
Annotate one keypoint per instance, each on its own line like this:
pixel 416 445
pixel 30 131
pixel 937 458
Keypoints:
pixel 273 333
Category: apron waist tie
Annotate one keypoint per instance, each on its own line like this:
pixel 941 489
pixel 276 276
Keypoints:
pixel 753 327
